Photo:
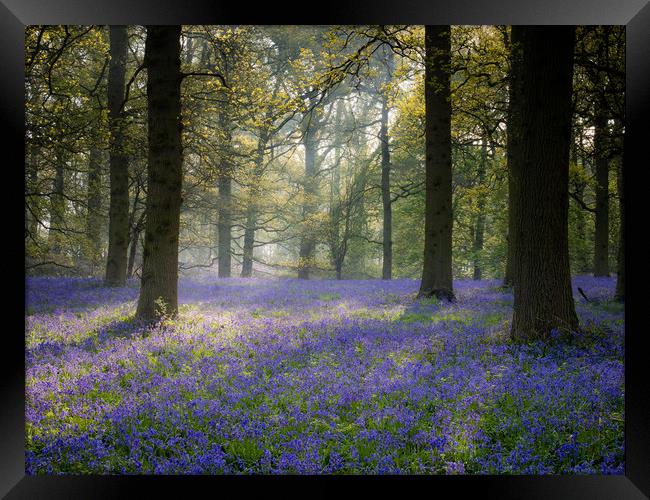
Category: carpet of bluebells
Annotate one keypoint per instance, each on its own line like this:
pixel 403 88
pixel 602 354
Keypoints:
pixel 317 377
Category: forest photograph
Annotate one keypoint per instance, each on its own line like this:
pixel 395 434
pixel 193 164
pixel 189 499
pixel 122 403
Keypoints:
pixel 324 249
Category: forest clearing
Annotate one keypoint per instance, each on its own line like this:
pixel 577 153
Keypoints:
pixel 313 377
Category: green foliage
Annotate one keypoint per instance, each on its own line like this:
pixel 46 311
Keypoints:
pixel 278 83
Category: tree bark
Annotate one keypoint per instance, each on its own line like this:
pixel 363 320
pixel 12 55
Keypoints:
pixel 620 276
pixel 159 282
pixel 436 272
pixel 118 218
pixel 387 241
pixel 477 247
pixel 541 124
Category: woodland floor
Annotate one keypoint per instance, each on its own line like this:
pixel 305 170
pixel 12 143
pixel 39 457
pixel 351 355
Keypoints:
pixel 290 376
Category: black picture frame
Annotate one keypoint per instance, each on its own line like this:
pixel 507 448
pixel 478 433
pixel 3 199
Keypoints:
pixel 635 14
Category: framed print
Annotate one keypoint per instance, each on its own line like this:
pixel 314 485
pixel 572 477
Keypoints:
pixel 387 245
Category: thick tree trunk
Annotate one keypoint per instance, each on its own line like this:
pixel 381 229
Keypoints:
pixel 94 200
pixel 601 234
pixel 307 242
pixel 118 221
pixel 225 226
pixel 541 123
pixel 387 262
pixel 436 272
pixel 477 247
pixel 159 283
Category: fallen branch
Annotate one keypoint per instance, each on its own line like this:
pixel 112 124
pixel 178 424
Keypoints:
pixel 48 263
pixel 583 294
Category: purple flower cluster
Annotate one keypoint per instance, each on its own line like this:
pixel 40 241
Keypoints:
pixel 317 377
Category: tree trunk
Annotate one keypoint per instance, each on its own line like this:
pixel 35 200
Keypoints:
pixel 307 242
pixel 118 218
pixel 57 204
pixel 511 143
pixel 480 217
pixel 336 204
pixel 601 234
pixel 387 262
pixel 507 277
pixel 224 182
pixel 31 220
pixel 133 247
pixel 436 272
pixel 225 225
pixel 583 263
pixel 620 276
pixel 251 210
pixel 135 230
pixel 541 124
pixel 582 259
pixel 94 200
pixel 249 242
pixel 387 241
pixel 159 283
